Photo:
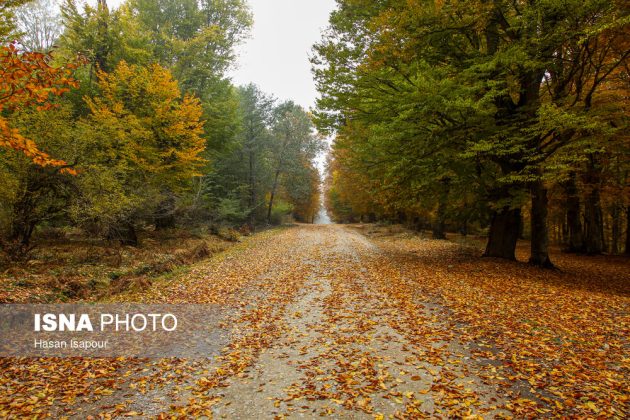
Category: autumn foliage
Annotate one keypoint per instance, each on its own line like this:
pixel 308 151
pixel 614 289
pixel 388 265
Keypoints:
pixel 145 113
pixel 28 79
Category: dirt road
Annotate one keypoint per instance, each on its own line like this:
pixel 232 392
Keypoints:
pixel 321 321
pixel 346 348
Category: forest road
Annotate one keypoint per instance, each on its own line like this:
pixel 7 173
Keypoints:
pixel 317 320
pixel 346 344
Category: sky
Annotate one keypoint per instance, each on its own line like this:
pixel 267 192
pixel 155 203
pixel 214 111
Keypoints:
pixel 276 56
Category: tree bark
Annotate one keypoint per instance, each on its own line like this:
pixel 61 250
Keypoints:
pixel 593 224
pixel 539 229
pixel 628 230
pixel 438 223
pixel 615 229
pixel 273 193
pixel 503 235
pixel 575 239
pixel 593 219
pixel 252 191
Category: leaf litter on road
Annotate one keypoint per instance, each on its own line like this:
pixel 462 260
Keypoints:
pixel 324 322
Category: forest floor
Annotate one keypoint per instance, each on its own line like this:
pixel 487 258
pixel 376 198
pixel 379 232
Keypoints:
pixel 68 266
pixel 363 322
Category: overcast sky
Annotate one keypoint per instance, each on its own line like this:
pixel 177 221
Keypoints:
pixel 276 56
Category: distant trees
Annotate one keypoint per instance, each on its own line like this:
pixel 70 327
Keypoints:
pixel 293 153
pixel 441 106
pixel 39 25
pixel 146 130
pixel 272 156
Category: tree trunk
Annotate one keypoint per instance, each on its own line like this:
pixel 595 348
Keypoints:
pixel 593 219
pixel 273 193
pixel 575 238
pixel 23 224
pixel 539 227
pixel 440 219
pixel 628 230
pixel 252 191
pixel 125 233
pixel 615 229
pixel 593 223
pixel 165 217
pixel 25 219
pixel 438 223
pixel 503 235
pixel 438 229
pixel 128 235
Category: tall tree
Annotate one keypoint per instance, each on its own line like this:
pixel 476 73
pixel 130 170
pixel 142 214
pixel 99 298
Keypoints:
pixel 7 19
pixel 464 82
pixel 296 142
pixel 145 137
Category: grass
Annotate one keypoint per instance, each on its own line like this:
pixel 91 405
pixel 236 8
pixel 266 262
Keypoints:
pixel 72 267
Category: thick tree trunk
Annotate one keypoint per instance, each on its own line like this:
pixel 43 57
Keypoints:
pixel 593 223
pixel 575 238
pixel 539 229
pixel 628 230
pixel 503 235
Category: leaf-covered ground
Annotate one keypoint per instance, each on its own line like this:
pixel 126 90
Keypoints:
pixel 67 266
pixel 324 320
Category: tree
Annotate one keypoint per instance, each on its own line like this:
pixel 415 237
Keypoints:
pixel 241 173
pixel 257 114
pixel 196 40
pixel 464 85
pixel 27 79
pixel 7 19
pixel 31 194
pixel 146 140
pixel 303 192
pixel 295 143
pixel 40 26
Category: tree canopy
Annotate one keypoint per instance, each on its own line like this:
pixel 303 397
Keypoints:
pixel 467 111
pixel 149 132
